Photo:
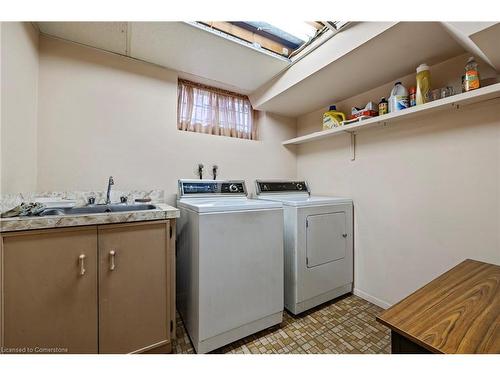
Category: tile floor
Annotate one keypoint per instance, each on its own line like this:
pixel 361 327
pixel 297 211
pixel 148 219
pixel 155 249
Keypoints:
pixel 345 325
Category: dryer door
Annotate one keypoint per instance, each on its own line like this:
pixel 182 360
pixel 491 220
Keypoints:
pixel 325 238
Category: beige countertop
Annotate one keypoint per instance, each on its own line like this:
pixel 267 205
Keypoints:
pixel 163 211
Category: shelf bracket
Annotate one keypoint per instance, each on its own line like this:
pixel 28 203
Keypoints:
pixel 353 146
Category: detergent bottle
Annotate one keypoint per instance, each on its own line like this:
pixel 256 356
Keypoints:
pixel 399 98
pixel 332 118
pixel 423 84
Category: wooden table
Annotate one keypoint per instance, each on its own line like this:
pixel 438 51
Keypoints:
pixel 459 312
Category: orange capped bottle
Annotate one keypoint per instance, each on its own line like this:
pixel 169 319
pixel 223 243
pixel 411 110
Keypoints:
pixel 471 75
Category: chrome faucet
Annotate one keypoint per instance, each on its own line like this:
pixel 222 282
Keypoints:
pixel 110 182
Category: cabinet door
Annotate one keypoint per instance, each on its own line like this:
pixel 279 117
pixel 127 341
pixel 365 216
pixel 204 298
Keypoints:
pixel 326 238
pixel 134 296
pixel 50 290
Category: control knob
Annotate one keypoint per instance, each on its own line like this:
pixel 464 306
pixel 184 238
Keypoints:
pixel 233 188
pixel 299 186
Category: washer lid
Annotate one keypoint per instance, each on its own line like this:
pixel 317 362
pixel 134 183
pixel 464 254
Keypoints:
pixel 299 200
pixel 226 204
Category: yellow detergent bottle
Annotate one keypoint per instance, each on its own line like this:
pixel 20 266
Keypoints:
pixel 423 84
pixel 332 118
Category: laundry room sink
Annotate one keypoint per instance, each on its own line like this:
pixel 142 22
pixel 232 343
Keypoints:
pixel 97 209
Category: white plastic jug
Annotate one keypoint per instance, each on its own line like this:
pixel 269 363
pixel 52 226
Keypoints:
pixel 399 98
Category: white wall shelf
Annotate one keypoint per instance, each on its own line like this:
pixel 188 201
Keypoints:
pixel 476 96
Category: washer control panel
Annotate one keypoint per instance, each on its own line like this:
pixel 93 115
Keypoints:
pixel 281 187
pixel 210 188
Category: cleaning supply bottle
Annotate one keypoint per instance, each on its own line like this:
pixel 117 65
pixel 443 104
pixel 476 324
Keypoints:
pixel 383 107
pixel 399 98
pixel 471 75
pixel 332 118
pixel 413 96
pixel 423 83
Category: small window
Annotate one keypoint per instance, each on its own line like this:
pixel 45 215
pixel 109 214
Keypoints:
pixel 204 109
pixel 285 38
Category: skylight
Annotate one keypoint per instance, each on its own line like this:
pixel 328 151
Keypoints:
pixel 301 30
pixel 294 32
pixel 280 37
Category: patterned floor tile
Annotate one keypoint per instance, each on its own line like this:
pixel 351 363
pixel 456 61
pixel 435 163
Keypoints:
pixel 344 325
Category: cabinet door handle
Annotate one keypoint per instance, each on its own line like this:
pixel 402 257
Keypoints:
pixel 81 261
pixel 112 265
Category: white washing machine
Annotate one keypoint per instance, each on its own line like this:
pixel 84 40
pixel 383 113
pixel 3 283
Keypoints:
pixel 318 238
pixel 229 262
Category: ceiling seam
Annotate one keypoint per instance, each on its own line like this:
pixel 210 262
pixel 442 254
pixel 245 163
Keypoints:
pixel 128 36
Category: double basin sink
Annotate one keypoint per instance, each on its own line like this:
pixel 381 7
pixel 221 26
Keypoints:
pixel 97 209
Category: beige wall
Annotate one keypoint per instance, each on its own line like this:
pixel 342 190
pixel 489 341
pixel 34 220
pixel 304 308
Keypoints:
pixel 102 114
pixel 426 191
pixel 19 78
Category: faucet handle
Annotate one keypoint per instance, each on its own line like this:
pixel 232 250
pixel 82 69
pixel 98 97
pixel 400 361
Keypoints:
pixel 123 199
pixel 91 200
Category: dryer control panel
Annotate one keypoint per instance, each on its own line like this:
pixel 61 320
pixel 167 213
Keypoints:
pixel 211 188
pixel 281 187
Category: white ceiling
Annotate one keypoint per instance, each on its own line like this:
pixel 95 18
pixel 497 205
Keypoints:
pixel 109 36
pixel 488 41
pixel 227 63
pixel 180 46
